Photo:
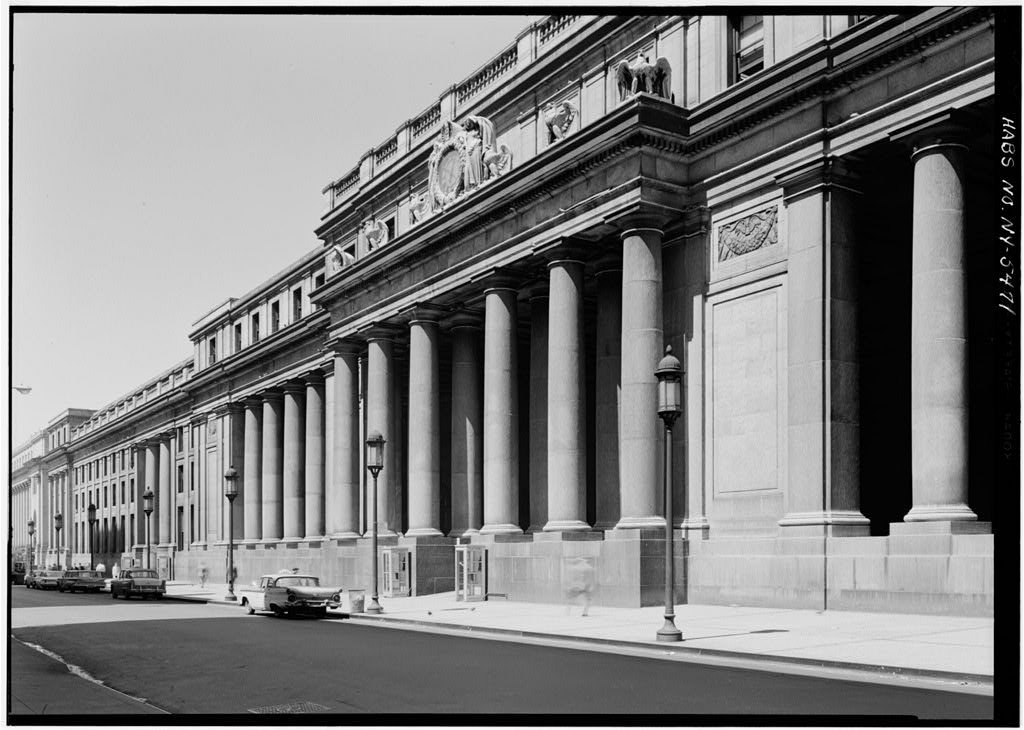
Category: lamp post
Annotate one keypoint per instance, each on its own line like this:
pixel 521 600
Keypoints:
pixel 231 491
pixel 31 544
pixel 58 524
pixel 147 501
pixel 91 510
pixel 374 462
pixel 669 374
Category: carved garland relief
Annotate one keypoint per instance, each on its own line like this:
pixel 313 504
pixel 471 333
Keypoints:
pixel 757 230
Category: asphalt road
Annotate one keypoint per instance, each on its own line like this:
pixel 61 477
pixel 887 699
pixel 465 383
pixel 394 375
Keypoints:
pixel 233 663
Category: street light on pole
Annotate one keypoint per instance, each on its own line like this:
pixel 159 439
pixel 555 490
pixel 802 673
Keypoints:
pixel 374 462
pixel 58 524
pixel 91 510
pixel 669 374
pixel 231 491
pixel 31 544
pixel 147 501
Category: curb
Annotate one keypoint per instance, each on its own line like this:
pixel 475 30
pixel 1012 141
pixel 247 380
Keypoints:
pixel 909 672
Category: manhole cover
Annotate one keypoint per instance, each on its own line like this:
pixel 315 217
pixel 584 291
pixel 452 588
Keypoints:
pixel 290 708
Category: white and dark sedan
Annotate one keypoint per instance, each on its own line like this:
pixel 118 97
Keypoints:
pixel 138 582
pixel 289 593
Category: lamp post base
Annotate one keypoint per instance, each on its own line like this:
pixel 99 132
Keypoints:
pixel 230 597
pixel 373 606
pixel 669 632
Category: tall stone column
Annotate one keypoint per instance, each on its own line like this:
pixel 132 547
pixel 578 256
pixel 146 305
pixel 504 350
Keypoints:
pixel 165 492
pixel 314 467
pixel 294 462
pixel 236 458
pixel 343 491
pixel 424 425
pixel 642 349
pixel 538 445
pixel 938 331
pixel 152 485
pixel 273 466
pixel 567 400
pixel 823 433
pixel 501 413
pixel 380 417
pixel 467 427
pixel 609 367
pixel 253 474
pixel 692 515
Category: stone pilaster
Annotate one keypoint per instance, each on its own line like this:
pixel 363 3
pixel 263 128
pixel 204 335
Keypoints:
pixel 314 466
pixel 566 432
pixel 609 367
pixel 823 370
pixel 236 458
pixel 501 413
pixel 538 407
pixel 467 426
pixel 424 425
pixel 273 466
pixel 165 493
pixel 642 349
pixel 152 485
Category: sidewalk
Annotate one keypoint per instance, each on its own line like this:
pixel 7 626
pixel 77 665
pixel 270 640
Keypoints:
pixel 951 650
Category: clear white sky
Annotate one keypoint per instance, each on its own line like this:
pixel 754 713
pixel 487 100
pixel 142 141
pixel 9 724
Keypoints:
pixel 163 163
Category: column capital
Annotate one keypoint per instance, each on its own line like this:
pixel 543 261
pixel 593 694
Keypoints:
pixel 313 377
pixel 537 289
pixel 423 312
pixel 472 318
pixel 561 249
pixel 252 401
pixel 348 345
pixel 822 173
pixel 641 216
pixel 501 278
pixel 235 407
pixel 271 395
pixel 293 386
pixel 381 331
pixel 948 128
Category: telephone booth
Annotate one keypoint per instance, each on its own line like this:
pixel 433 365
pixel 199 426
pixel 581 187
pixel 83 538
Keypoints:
pixel 470 573
pixel 395 571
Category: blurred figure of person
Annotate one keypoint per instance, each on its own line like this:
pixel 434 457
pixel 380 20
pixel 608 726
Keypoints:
pixel 579 582
pixel 115 571
pixel 203 572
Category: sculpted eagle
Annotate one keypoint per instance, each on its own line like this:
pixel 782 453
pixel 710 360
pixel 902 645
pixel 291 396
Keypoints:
pixel 642 76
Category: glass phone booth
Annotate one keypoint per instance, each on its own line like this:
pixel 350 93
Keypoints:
pixel 395 571
pixel 470 573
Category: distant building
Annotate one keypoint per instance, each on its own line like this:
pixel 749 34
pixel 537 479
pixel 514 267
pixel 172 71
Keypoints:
pixel 794 203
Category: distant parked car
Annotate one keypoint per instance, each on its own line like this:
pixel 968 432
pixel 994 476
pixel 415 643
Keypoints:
pixel 18 573
pixel 47 579
pixel 286 592
pixel 30 579
pixel 137 582
pixel 80 580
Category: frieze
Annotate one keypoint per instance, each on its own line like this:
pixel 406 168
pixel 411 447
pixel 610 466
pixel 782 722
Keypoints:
pixel 757 230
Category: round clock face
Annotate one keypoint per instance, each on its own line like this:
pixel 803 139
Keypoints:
pixel 449 172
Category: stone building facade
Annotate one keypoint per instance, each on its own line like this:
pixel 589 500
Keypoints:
pixel 791 202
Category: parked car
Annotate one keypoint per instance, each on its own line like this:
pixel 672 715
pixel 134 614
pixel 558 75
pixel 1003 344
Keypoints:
pixel 30 578
pixel 138 582
pixel 80 580
pixel 47 579
pixel 287 593
pixel 18 573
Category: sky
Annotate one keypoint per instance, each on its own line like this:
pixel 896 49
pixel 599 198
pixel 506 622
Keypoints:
pixel 163 163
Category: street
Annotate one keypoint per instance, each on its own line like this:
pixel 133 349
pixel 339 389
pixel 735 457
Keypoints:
pixel 215 659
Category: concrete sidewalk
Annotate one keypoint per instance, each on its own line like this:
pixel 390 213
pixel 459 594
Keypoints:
pixel 950 650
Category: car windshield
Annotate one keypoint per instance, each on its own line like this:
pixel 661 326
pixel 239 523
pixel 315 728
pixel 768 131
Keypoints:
pixel 142 574
pixel 298 580
pixel 90 574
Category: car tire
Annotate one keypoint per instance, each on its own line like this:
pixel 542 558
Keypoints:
pixel 113 595
pixel 248 606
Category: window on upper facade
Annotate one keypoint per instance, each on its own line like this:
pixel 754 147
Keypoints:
pixel 212 350
pixel 238 337
pixel 275 317
pixel 104 496
pixel 390 223
pixel 255 328
pixel 191 476
pixel 122 492
pixel 181 478
pixel 296 305
pixel 131 490
pixel 748 46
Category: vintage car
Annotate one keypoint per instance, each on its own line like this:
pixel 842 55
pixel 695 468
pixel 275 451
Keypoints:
pixel 18 573
pixel 46 579
pixel 81 580
pixel 137 582
pixel 289 593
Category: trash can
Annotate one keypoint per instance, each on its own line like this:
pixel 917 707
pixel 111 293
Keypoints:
pixel 352 600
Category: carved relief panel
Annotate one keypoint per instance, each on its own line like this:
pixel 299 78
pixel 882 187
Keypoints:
pixel 754 231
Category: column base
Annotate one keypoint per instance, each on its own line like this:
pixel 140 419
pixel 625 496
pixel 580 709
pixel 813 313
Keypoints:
pixel 941 527
pixel 566 526
pixel 940 513
pixel 346 535
pixel 641 523
pixel 695 529
pixel 834 523
pixel 604 525
pixel 503 529
pixel 424 532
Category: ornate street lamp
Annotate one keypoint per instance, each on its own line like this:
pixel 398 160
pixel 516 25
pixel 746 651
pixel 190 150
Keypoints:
pixel 147 501
pixel 91 510
pixel 231 491
pixel 58 524
pixel 669 374
pixel 31 544
pixel 374 462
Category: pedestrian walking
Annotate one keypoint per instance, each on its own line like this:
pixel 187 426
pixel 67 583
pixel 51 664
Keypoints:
pixel 203 572
pixel 579 582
